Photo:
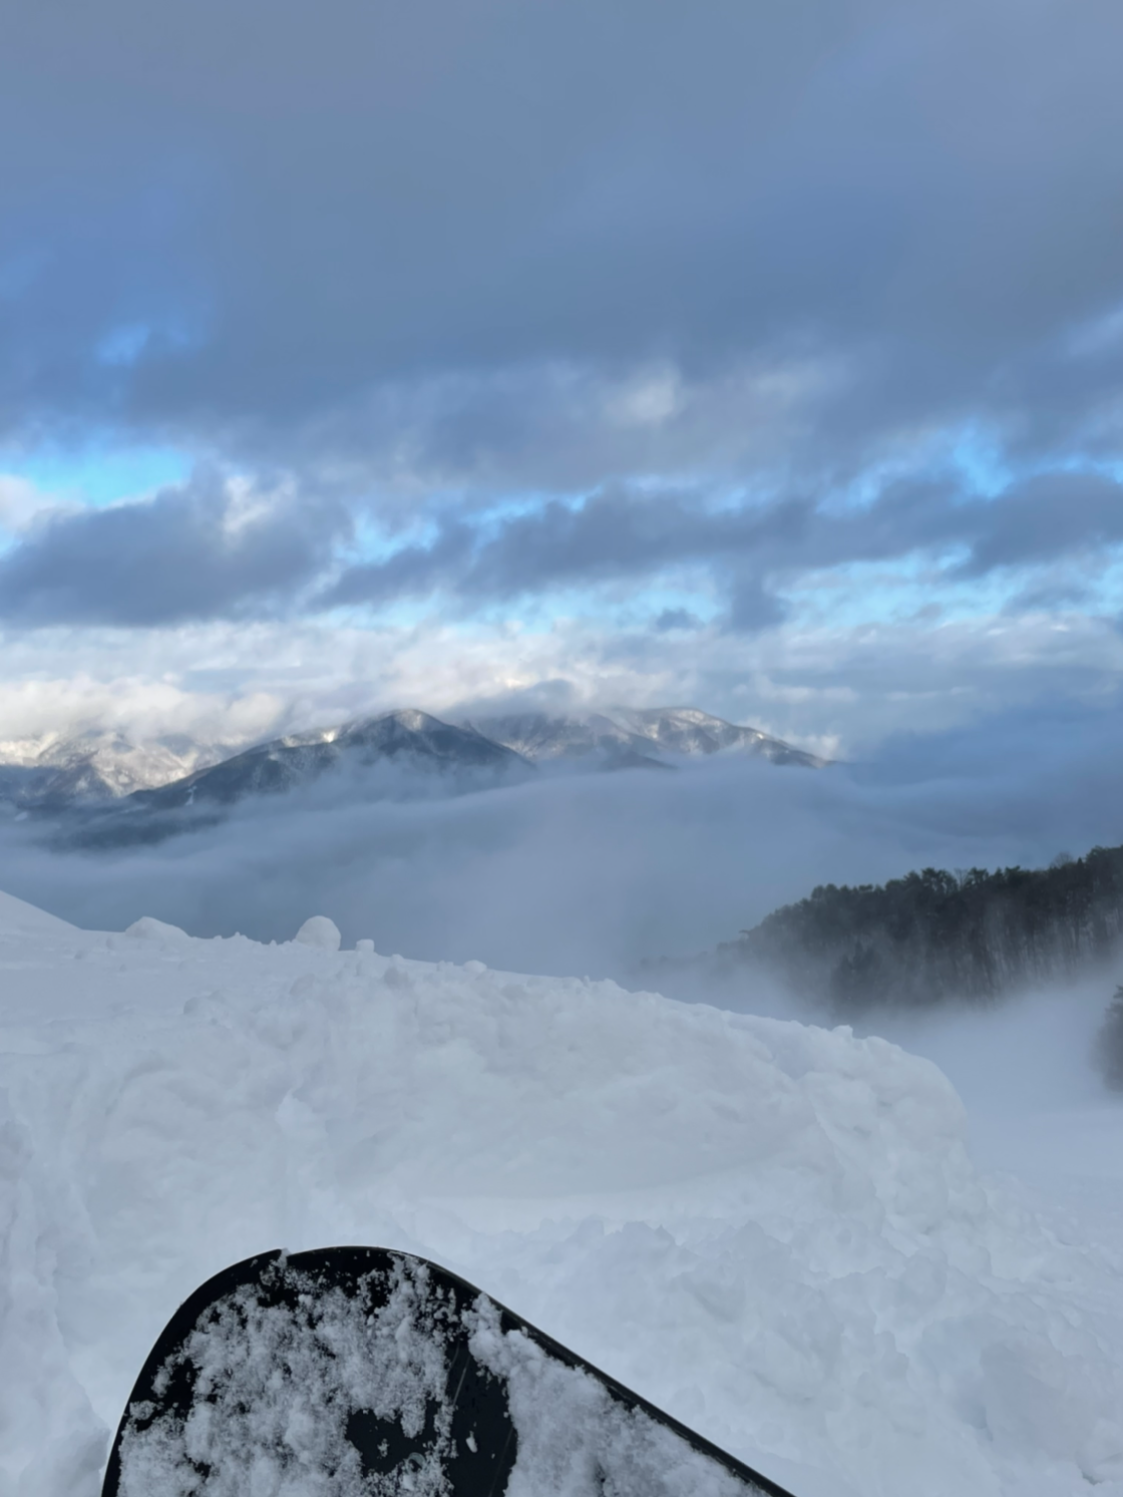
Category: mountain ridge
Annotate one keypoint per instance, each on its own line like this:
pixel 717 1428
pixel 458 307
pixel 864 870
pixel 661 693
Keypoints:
pixel 282 763
pixel 642 731
pixel 95 778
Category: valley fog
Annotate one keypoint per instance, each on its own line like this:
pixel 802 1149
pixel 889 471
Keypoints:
pixel 594 872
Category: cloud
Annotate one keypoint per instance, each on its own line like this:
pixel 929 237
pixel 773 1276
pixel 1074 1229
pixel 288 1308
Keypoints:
pixel 544 313
pixel 210 548
pixel 749 542
pixel 142 709
pixel 22 503
pixel 832 688
pixel 1046 517
pixel 676 618
pixel 748 548
pixel 374 196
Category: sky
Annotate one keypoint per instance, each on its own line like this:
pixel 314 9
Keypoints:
pixel 766 357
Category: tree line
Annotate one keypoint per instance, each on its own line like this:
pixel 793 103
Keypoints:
pixel 934 935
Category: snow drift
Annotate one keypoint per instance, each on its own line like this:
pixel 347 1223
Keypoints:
pixel 773 1231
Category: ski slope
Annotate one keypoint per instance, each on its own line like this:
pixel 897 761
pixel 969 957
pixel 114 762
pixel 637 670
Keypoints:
pixel 774 1231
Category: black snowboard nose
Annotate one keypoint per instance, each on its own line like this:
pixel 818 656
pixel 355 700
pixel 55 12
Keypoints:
pixel 377 1370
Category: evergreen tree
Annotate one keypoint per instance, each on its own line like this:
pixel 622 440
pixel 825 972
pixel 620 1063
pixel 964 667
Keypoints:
pixel 1109 1043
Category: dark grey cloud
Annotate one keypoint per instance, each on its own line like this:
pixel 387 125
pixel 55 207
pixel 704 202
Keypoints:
pixel 300 203
pixel 676 618
pixel 1046 517
pixel 204 550
pixel 217 549
pixel 747 547
pixel 614 534
pixel 426 257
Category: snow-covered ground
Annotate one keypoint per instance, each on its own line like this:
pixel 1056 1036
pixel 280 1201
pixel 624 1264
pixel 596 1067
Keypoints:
pixel 776 1232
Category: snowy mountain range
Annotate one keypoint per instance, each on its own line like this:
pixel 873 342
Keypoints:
pixel 119 787
pixel 56 770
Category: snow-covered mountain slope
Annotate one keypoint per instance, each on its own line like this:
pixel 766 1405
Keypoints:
pixel 407 737
pixel 538 736
pixel 55 771
pixel 635 736
pixel 374 756
pixel 776 1232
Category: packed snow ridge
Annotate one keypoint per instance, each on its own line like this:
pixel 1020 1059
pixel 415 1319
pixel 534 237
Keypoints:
pixel 773 1231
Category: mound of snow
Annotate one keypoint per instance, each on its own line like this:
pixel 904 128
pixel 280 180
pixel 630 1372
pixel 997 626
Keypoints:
pixel 773 1231
pixel 318 930
pixel 147 928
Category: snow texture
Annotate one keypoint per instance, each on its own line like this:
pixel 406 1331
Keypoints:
pixel 576 1441
pixel 273 1393
pixel 773 1231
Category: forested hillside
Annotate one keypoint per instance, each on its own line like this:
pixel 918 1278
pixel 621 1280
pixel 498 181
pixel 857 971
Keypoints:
pixel 934 935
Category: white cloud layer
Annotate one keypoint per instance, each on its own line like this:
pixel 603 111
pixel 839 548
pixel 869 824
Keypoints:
pixel 833 690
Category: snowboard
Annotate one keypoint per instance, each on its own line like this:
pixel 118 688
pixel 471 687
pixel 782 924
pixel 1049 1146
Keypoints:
pixel 361 1372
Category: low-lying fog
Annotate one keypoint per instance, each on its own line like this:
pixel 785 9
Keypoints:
pixel 595 871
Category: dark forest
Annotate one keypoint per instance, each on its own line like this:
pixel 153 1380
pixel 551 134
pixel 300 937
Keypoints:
pixel 935 935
